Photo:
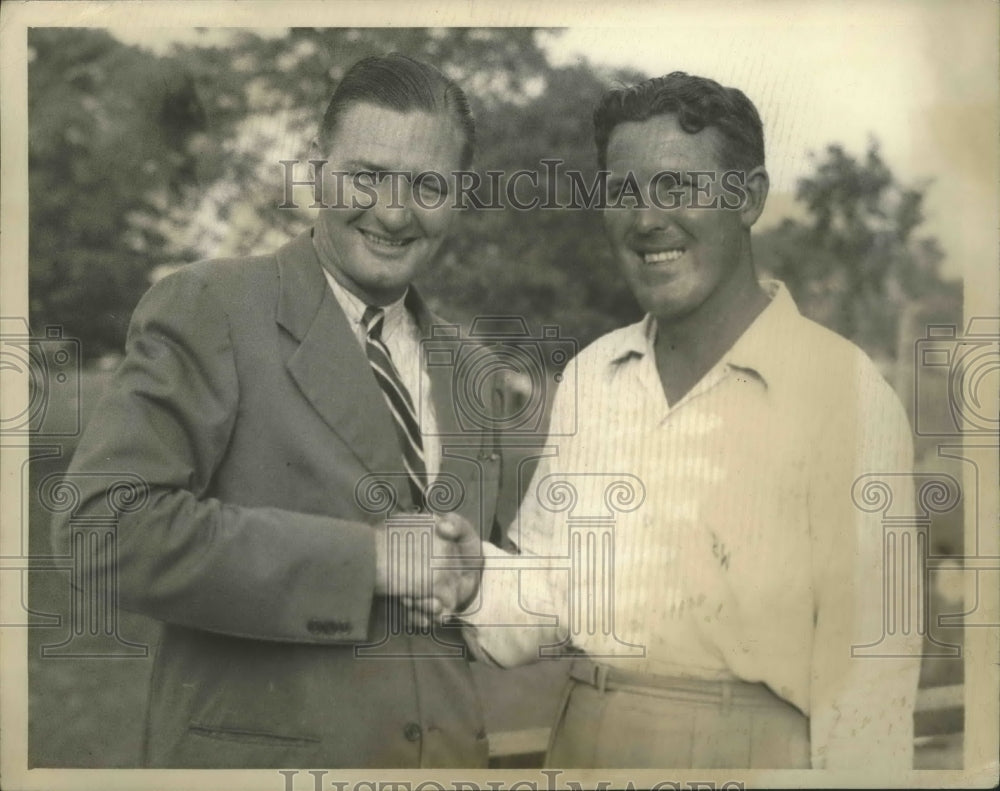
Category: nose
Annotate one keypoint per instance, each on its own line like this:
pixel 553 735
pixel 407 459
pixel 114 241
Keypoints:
pixel 647 219
pixel 393 208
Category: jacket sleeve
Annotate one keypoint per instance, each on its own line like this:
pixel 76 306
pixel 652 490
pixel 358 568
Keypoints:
pixel 154 443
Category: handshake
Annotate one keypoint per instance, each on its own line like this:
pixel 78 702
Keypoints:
pixel 434 575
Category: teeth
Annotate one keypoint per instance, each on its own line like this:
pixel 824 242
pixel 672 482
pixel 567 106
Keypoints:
pixel 383 241
pixel 663 256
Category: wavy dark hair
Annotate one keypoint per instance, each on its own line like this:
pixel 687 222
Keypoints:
pixel 400 83
pixel 698 102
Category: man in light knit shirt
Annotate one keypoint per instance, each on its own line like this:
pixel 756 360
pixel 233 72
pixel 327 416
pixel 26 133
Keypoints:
pixel 722 434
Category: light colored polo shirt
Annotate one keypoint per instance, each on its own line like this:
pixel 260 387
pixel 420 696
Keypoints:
pixel 730 546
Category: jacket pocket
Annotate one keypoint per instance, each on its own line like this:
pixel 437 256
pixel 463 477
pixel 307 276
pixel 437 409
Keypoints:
pixel 250 737
pixel 215 747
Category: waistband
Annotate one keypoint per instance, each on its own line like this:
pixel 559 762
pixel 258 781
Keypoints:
pixel 726 693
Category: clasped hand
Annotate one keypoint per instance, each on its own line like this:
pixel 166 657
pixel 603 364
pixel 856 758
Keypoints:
pixel 434 574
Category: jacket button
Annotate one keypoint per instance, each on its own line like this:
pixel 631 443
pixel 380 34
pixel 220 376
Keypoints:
pixel 412 732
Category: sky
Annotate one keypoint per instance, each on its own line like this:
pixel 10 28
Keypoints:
pixel 920 77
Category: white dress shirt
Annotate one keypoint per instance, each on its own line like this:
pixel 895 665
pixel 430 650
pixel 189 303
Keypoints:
pixel 739 552
pixel 402 338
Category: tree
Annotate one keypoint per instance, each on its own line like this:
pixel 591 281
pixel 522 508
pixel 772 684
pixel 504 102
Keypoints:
pixel 857 264
pixel 110 136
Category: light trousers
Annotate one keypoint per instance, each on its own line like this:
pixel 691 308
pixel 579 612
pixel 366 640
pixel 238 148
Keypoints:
pixel 623 720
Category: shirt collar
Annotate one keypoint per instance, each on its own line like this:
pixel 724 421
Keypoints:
pixel 635 340
pixel 754 350
pixel 757 348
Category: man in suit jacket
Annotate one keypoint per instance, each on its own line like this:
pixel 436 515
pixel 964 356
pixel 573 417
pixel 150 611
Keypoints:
pixel 269 471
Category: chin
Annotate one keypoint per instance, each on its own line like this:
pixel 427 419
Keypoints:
pixel 391 290
pixel 672 311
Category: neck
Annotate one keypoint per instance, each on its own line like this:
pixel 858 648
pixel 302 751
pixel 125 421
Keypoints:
pixel 687 347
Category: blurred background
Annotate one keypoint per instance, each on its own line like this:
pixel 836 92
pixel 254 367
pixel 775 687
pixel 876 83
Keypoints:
pixel 149 149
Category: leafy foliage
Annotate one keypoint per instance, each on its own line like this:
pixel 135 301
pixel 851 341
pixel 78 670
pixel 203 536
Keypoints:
pixel 856 264
pixel 109 151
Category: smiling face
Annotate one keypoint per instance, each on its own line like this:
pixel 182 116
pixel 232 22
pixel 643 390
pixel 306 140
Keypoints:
pixel 682 259
pixel 376 252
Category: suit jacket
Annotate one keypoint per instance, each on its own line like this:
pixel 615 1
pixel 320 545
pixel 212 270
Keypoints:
pixel 246 412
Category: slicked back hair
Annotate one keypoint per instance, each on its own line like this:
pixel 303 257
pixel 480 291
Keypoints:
pixel 397 82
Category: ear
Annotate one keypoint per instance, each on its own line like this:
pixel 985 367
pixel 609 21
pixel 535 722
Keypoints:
pixel 756 186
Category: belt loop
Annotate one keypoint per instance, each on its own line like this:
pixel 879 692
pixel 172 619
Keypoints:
pixel 602 678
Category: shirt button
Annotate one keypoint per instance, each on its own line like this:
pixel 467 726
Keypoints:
pixel 412 732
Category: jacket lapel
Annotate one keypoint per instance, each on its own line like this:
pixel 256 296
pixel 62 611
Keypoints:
pixel 329 365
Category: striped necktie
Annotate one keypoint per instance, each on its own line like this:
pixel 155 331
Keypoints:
pixel 399 402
